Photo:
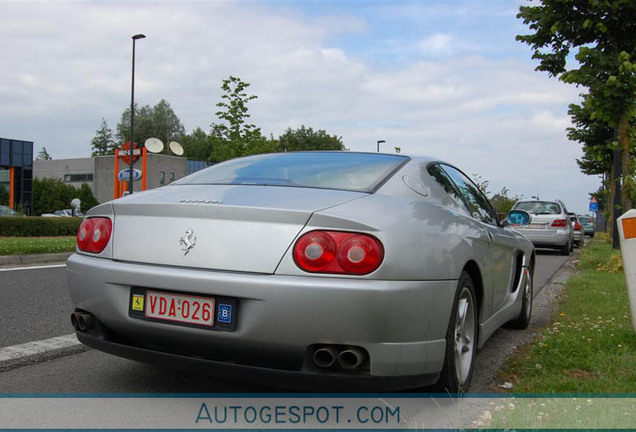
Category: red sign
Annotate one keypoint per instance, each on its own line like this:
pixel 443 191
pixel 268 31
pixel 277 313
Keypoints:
pixel 594 200
pixel 124 153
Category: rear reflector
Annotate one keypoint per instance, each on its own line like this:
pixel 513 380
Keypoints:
pixel 629 228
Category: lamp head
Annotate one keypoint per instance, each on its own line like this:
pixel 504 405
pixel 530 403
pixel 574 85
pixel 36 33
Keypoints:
pixel 138 36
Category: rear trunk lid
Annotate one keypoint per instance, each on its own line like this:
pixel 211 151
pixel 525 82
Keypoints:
pixel 223 227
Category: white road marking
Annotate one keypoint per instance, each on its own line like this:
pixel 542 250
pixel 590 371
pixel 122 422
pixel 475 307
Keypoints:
pixel 32 267
pixel 29 349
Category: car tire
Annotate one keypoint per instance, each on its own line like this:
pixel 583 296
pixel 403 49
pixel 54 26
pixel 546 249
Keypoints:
pixel 565 249
pixel 523 320
pixel 461 339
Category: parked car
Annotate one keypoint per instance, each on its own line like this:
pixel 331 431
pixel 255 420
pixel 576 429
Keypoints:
pixel 63 213
pixel 578 235
pixel 587 222
pixel 8 211
pixel 337 270
pixel 549 226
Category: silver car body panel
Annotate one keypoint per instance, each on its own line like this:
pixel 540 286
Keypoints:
pixel 399 313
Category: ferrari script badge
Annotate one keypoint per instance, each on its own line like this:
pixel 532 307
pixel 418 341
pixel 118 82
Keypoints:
pixel 188 241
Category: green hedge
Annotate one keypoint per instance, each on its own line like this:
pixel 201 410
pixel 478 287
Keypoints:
pixel 39 226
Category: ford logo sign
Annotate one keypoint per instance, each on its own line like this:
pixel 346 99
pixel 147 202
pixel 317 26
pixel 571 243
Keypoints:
pixel 124 174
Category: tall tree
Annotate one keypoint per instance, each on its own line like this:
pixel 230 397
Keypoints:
pixel 103 143
pixel 233 136
pixel 305 138
pixel 159 121
pixel 605 34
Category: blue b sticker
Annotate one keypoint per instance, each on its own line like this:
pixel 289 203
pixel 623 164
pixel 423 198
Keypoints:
pixel 225 313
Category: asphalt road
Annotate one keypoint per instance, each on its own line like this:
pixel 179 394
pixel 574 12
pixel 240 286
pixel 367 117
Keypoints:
pixel 35 306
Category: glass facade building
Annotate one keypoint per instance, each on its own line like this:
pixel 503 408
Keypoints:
pixel 16 174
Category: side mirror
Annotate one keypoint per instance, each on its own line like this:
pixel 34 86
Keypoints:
pixel 517 218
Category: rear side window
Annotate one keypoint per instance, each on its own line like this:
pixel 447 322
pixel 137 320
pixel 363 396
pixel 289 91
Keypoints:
pixel 539 207
pixel 477 203
pixel 362 172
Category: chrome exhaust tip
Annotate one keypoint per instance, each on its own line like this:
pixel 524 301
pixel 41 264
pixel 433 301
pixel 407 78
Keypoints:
pixel 325 357
pixel 351 358
pixel 85 321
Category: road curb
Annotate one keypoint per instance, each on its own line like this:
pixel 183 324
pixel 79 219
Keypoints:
pixel 39 351
pixel 10 260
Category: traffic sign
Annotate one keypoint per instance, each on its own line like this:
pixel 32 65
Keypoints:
pixel 593 204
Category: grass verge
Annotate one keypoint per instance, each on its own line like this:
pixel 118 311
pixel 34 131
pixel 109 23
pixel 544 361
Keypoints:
pixel 590 347
pixel 36 245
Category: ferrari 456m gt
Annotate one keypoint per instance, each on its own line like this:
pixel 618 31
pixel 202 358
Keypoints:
pixel 319 270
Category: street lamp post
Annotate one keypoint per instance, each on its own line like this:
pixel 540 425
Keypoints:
pixel 378 145
pixel 132 115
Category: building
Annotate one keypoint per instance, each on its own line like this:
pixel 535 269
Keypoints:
pixel 16 174
pixel 100 173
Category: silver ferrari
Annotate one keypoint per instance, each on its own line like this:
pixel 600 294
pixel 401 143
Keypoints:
pixel 317 270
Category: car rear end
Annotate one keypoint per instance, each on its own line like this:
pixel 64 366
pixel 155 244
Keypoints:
pixel 549 226
pixel 588 225
pixel 210 277
pixel 577 234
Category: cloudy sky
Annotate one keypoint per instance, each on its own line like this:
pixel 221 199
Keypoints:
pixel 442 78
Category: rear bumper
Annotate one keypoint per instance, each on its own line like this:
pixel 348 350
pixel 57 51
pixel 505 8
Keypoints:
pixel 546 238
pixel 400 324
pixel 308 381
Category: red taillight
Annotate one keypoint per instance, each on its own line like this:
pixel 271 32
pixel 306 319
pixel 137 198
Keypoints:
pixel 560 223
pixel 93 234
pixel 577 226
pixel 338 252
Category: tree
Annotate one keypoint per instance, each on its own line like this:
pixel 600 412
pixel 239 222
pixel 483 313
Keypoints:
pixel 197 145
pixel 159 121
pixel 43 155
pixel 53 194
pixel 88 200
pixel 103 143
pixel 605 34
pixel 307 139
pixel 502 202
pixel 596 137
pixel 233 136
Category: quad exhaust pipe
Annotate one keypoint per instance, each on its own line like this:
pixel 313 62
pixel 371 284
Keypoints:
pixel 349 358
pixel 82 321
pixel 325 357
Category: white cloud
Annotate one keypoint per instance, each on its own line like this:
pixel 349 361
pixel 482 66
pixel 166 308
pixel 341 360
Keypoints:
pixel 437 44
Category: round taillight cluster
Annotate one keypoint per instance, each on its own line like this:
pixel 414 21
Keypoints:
pixel 93 234
pixel 338 252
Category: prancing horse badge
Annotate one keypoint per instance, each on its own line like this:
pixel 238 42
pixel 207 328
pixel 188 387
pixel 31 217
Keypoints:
pixel 188 241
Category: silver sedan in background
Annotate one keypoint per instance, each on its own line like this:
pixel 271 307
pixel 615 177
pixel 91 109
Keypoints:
pixel 319 270
pixel 549 226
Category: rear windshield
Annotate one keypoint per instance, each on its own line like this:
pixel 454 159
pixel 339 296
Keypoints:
pixel 361 172
pixel 539 207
